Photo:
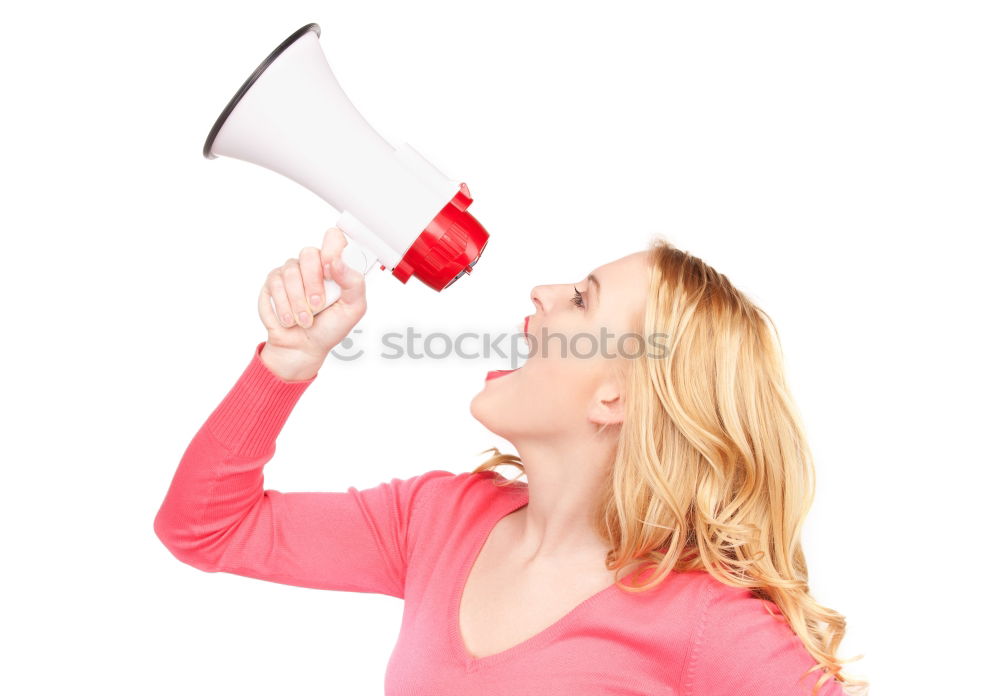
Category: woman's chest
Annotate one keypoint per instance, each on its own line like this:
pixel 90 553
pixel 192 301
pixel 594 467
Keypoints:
pixel 473 624
pixel 503 606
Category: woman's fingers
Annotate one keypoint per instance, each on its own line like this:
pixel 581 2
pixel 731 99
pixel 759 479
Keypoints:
pixel 266 310
pixel 291 276
pixel 311 270
pixel 282 308
pixel 284 302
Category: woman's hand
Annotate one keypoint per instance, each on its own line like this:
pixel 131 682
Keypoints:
pixel 298 340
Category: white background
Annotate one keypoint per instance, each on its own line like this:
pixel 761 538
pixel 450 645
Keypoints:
pixel 837 161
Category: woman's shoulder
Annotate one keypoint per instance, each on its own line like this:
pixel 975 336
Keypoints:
pixel 734 613
pixel 741 636
pixel 737 602
pixel 441 487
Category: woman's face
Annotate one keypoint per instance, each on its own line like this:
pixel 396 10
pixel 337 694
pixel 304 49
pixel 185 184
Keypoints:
pixel 568 385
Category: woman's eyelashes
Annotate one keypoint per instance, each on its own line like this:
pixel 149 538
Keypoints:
pixel 577 298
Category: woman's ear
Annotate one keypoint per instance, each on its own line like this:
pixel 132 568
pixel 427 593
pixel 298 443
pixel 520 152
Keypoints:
pixel 608 406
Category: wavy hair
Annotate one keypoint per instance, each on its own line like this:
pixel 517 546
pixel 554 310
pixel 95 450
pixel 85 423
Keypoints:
pixel 712 470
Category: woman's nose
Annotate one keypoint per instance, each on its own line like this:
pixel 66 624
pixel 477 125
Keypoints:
pixel 539 296
pixel 546 297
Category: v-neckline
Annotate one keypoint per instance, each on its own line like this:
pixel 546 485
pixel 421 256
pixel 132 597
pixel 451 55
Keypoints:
pixel 469 661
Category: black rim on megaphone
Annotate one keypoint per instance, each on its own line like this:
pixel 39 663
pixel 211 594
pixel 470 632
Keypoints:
pixel 207 149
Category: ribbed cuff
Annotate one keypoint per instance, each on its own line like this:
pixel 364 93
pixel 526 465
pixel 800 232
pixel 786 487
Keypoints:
pixel 248 420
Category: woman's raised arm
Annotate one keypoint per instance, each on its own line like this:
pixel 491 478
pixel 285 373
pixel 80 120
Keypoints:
pixel 217 516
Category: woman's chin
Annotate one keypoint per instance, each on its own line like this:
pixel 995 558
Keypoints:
pixel 499 402
pixel 487 413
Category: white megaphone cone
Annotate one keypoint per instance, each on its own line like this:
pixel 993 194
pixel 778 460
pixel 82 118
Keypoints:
pixel 292 117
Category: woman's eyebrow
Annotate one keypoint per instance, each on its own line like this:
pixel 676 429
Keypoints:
pixel 597 284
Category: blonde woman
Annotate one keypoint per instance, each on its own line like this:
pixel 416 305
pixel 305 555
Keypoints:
pixel 654 549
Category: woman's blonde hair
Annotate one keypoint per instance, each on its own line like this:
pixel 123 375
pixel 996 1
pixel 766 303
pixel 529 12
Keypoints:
pixel 712 470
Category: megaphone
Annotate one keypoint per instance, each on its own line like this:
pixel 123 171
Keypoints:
pixel 292 116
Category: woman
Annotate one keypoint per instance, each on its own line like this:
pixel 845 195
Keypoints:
pixel 669 480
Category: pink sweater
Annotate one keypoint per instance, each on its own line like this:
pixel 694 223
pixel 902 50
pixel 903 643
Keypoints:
pixel 417 538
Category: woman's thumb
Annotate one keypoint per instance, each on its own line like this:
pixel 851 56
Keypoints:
pixel 350 280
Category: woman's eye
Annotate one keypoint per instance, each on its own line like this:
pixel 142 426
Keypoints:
pixel 577 298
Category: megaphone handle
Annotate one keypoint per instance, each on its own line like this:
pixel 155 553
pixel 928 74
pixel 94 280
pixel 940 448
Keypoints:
pixel 355 256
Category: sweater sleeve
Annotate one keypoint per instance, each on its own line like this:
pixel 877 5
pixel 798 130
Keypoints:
pixel 217 516
pixel 742 650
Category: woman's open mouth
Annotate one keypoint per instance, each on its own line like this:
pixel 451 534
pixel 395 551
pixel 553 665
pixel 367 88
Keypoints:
pixel 493 374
